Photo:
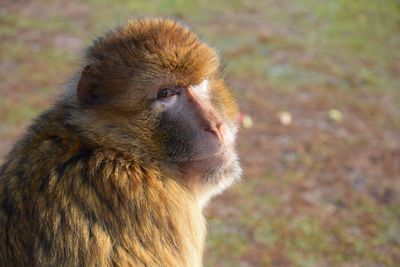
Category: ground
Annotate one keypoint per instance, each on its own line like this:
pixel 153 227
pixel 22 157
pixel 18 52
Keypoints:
pixel 323 190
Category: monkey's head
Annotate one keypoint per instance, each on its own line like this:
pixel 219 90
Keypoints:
pixel 151 87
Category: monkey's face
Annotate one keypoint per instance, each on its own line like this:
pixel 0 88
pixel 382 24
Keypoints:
pixel 192 129
pixel 155 88
pixel 197 134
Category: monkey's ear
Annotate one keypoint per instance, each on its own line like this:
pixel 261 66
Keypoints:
pixel 86 87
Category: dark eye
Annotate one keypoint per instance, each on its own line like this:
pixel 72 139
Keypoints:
pixel 166 92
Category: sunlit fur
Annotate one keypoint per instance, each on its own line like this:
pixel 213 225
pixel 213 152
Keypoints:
pixel 89 185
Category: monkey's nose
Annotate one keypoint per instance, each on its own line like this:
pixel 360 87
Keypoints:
pixel 216 129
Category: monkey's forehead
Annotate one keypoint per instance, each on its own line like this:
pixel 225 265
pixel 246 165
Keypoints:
pixel 154 47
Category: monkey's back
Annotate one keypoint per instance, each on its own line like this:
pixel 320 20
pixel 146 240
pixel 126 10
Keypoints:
pixel 66 202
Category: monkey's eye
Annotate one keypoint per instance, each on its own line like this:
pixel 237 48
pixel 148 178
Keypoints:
pixel 166 92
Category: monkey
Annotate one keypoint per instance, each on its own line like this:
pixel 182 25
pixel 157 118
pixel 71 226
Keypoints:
pixel 118 171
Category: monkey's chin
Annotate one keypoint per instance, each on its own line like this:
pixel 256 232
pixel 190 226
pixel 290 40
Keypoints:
pixel 212 175
pixel 221 174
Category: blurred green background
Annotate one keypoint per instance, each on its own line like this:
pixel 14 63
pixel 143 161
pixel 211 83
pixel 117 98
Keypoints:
pixel 320 81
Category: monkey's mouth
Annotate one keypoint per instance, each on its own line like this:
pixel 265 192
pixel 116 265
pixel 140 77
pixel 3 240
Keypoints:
pixel 211 163
pixel 217 158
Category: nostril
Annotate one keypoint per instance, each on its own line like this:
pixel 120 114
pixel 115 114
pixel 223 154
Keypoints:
pixel 219 125
pixel 210 129
pixel 216 130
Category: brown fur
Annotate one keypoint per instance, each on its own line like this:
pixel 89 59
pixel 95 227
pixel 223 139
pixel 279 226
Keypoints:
pixel 78 190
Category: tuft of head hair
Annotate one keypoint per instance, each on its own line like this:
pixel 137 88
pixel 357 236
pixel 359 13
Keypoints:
pixel 150 51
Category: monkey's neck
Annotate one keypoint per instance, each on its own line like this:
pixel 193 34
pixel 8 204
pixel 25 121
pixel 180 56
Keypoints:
pixel 154 208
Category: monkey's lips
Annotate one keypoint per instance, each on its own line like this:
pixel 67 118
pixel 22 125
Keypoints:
pixel 216 159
